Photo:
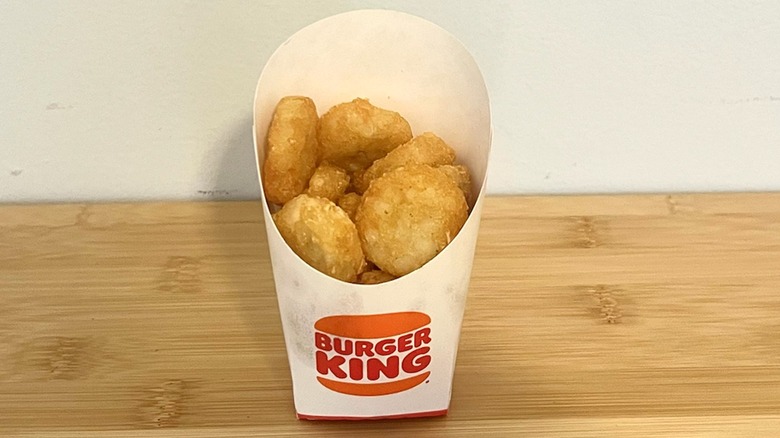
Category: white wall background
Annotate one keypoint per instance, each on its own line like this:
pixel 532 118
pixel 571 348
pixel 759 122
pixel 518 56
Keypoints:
pixel 151 99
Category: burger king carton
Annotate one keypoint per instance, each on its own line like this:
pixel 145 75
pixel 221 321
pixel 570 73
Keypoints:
pixel 386 350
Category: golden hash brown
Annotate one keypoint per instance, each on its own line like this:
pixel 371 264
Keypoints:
pixel 407 216
pixel 329 182
pixel 350 203
pixel 426 148
pixel 375 276
pixel 322 235
pixel 460 174
pixel 291 149
pixel 354 134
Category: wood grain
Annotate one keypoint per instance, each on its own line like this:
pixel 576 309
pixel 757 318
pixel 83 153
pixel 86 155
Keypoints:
pixel 588 316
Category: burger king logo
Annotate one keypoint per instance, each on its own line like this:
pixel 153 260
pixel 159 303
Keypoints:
pixel 372 355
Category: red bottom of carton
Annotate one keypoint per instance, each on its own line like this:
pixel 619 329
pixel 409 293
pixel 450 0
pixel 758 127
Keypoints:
pixel 380 417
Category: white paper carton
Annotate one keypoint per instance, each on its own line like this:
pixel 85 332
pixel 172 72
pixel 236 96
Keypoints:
pixel 386 350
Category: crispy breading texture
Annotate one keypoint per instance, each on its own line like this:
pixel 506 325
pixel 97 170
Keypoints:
pixel 329 182
pixel 407 216
pixel 350 203
pixel 322 235
pixel 426 148
pixel 460 174
pixel 354 134
pixel 291 149
pixel 375 276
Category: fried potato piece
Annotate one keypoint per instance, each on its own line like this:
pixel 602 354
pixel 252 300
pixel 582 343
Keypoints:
pixel 375 276
pixel 329 182
pixel 350 203
pixel 322 235
pixel 407 216
pixel 460 174
pixel 354 134
pixel 426 148
pixel 291 149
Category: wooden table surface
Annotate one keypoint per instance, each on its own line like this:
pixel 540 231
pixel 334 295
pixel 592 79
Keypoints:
pixel 587 316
